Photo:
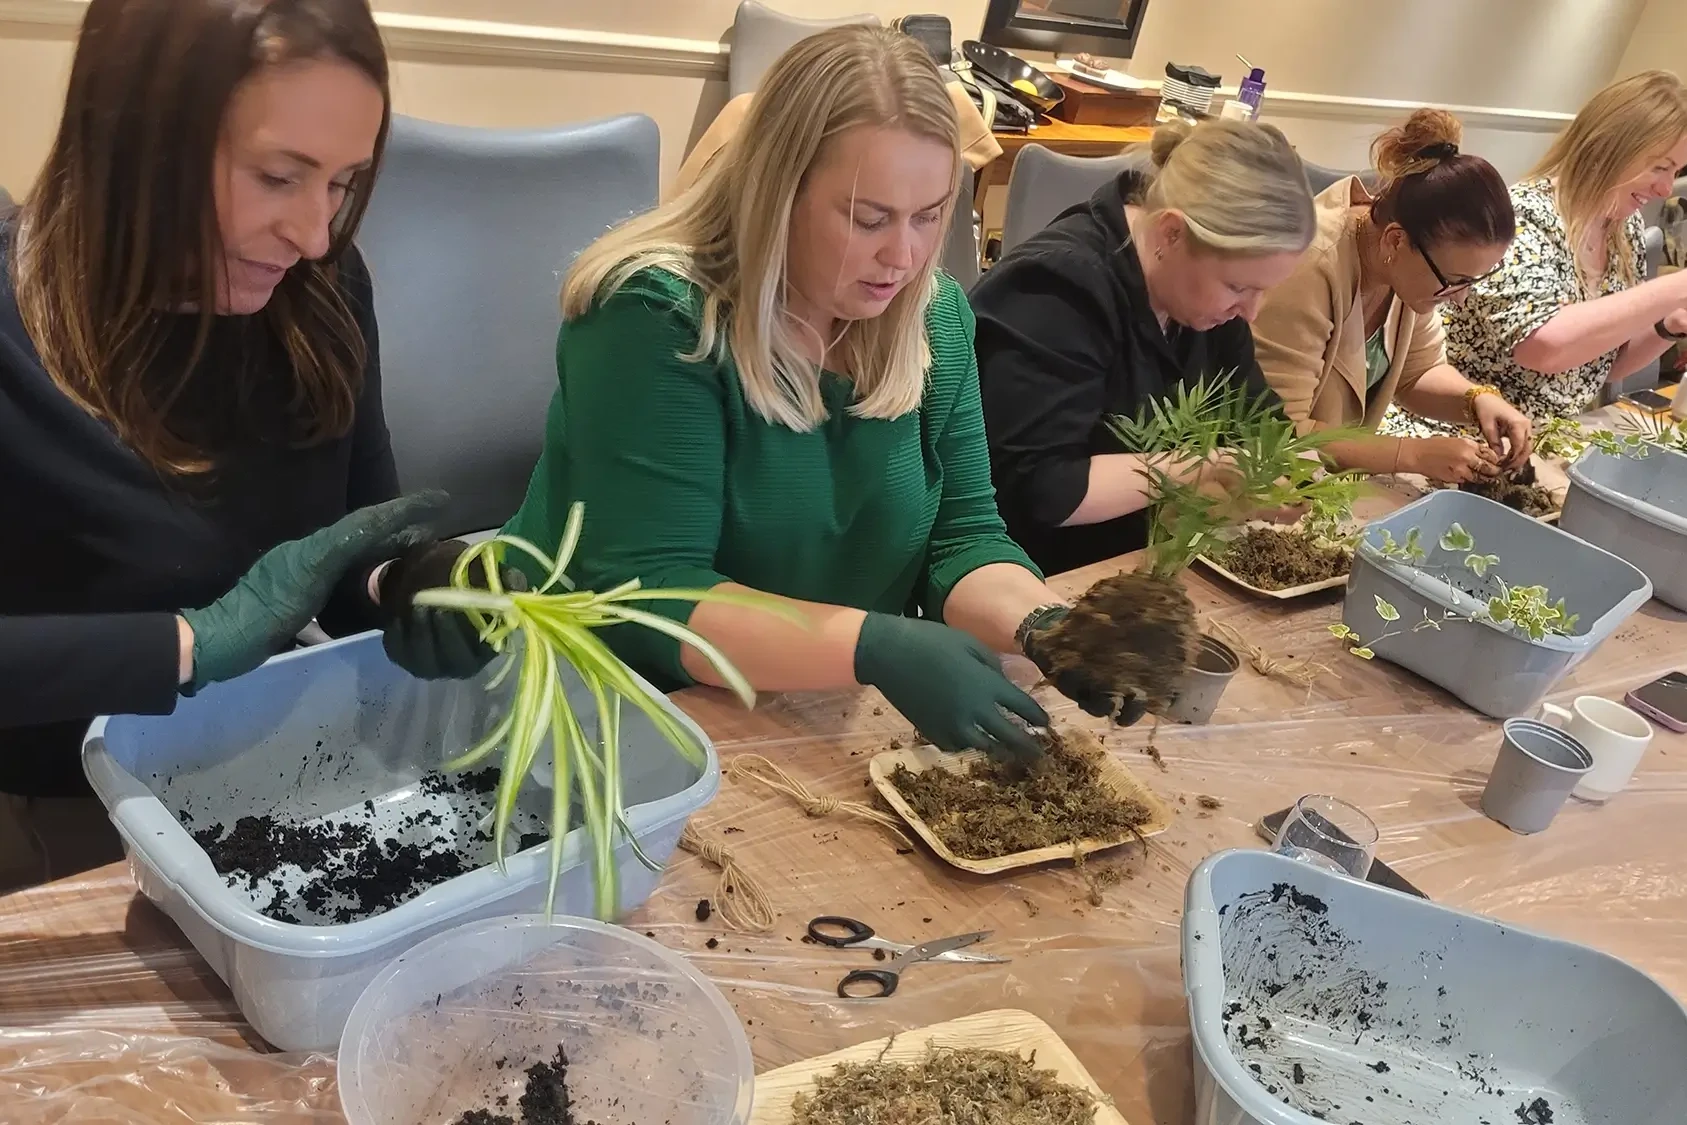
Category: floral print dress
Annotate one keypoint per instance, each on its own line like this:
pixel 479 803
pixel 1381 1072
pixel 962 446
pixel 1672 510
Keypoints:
pixel 1537 278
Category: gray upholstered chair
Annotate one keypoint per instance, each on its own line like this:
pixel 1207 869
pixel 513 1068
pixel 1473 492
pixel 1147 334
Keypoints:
pixel 960 241
pixel 760 35
pixel 467 237
pixel 1045 183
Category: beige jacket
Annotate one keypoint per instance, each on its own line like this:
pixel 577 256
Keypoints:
pixel 978 146
pixel 1310 333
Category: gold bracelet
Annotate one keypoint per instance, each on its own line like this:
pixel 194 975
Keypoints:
pixel 1473 394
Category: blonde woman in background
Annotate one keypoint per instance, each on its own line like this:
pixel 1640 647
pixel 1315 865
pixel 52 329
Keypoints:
pixel 1357 326
pixel 1568 310
pixel 766 385
pixel 1149 284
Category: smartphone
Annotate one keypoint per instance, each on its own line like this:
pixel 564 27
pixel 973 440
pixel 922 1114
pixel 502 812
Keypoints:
pixel 1381 874
pixel 1664 700
pixel 1650 401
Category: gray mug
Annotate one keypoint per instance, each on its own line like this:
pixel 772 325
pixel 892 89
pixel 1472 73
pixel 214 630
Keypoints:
pixel 1536 768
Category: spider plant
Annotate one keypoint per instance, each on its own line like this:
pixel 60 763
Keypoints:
pixel 541 633
pixel 1266 464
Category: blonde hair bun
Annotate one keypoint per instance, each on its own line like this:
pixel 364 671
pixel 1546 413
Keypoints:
pixel 1239 186
pixel 1166 139
pixel 1401 151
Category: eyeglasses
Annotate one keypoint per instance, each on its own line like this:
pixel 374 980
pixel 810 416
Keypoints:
pixel 1451 286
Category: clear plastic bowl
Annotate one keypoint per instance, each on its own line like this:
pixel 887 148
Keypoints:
pixel 453 1025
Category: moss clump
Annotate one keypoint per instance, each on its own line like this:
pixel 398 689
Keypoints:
pixel 970 1086
pixel 1274 559
pixel 1135 633
pixel 995 808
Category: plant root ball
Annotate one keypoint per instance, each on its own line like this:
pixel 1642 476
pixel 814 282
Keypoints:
pixel 1135 632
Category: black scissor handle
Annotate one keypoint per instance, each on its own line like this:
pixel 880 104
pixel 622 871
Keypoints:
pixel 854 932
pixel 883 979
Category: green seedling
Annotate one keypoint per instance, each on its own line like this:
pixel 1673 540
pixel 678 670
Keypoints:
pixel 1526 609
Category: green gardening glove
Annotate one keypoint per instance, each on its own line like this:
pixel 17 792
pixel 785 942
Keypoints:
pixel 291 583
pixel 429 643
pixel 947 684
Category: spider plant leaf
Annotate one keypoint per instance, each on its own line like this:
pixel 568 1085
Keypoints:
pixel 717 659
pixel 485 746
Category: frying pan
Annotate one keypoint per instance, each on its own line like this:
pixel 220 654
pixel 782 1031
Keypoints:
pixel 1003 68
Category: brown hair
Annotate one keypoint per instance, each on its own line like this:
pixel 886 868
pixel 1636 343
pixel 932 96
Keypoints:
pixel 1238 186
pixel 1620 127
pixel 1433 191
pixel 121 226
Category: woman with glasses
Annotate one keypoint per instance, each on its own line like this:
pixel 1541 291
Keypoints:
pixel 1569 310
pixel 1356 326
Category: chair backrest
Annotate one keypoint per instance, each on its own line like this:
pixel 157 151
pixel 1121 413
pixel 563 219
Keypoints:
pixel 1045 183
pixel 468 235
pixel 960 242
pixel 760 35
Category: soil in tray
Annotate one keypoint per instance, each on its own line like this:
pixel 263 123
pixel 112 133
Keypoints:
pixel 997 808
pixel 1323 1035
pixel 948 1087
pixel 351 870
pixel 1515 490
pixel 545 1101
pixel 1134 632
pixel 1274 559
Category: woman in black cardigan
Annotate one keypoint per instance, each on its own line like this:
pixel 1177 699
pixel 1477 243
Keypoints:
pixel 1150 283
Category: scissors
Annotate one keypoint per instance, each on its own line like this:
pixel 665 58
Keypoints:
pixel 860 935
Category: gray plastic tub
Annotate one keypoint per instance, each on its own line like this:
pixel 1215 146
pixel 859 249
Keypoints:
pixel 1493 668
pixel 1360 1004
pixel 315 734
pixel 1635 507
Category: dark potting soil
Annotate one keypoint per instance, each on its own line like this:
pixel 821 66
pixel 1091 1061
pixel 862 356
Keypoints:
pixel 1134 632
pixel 545 1101
pixel 1276 559
pixel 996 808
pixel 352 874
pixel 1518 491
pixel 1293 980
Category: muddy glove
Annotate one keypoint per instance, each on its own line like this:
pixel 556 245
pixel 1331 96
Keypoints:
pixel 291 583
pixel 1092 696
pixel 949 685
pixel 429 643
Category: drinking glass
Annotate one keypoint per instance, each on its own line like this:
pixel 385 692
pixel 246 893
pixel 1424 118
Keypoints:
pixel 1329 833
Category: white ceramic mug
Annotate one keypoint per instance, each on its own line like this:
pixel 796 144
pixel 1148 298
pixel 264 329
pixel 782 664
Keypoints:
pixel 1615 735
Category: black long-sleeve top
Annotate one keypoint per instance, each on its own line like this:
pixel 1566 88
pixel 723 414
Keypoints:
pixel 1066 338
pixel 98 551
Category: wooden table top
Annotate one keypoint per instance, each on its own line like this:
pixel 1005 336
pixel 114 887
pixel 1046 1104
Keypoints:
pixel 102 1003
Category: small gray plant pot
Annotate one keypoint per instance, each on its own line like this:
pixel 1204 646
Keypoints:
pixel 1197 696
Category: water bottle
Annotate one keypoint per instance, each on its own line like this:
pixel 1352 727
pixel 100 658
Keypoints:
pixel 1252 90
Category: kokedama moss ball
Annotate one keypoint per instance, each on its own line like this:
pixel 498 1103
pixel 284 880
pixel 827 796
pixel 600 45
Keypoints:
pixel 1135 632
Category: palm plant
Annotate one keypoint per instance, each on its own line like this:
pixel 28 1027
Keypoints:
pixel 1269 465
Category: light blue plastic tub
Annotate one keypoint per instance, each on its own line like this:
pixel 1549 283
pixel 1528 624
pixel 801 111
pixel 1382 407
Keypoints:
pixel 1495 669
pixel 317 733
pixel 1635 507
pixel 1364 1004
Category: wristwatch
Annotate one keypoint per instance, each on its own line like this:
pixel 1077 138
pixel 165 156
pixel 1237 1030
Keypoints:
pixel 1037 619
pixel 1663 330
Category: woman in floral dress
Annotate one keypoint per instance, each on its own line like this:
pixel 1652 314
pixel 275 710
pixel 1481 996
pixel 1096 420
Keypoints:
pixel 1568 310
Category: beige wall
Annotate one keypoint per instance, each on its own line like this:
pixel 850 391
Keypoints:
pixel 1660 39
pixel 1523 54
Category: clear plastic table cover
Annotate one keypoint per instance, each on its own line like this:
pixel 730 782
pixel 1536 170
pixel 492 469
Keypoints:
pixel 107 1015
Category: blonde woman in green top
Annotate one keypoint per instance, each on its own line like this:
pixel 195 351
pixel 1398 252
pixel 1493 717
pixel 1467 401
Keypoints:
pixel 767 384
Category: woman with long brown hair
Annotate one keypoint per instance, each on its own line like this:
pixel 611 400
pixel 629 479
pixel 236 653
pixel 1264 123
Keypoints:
pixel 189 385
pixel 1568 310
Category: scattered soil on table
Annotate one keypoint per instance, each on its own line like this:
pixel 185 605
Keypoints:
pixel 1515 490
pixel 1275 559
pixel 1207 802
pixel 546 1100
pixel 997 808
pixel 1134 632
pixel 949 1087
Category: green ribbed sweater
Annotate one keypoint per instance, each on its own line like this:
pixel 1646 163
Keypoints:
pixel 685 486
